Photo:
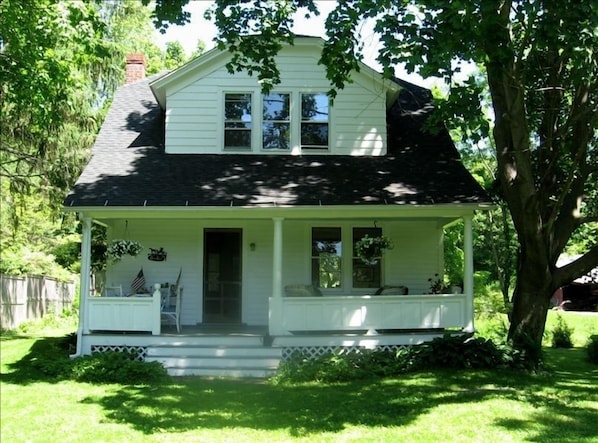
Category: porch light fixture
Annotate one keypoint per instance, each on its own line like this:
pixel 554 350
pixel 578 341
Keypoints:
pixel 252 246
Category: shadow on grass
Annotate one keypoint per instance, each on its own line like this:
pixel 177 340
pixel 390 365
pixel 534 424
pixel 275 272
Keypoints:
pixel 26 370
pixel 304 409
pixel 192 403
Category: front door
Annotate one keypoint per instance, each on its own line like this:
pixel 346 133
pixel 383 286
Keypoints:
pixel 222 276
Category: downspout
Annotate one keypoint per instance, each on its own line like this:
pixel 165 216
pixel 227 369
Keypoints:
pixel 468 271
pixel 84 282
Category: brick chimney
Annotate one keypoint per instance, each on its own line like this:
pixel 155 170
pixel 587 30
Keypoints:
pixel 135 68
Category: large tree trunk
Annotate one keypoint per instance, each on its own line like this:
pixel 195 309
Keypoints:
pixel 531 300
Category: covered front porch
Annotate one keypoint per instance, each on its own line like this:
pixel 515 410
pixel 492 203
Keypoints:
pixel 274 253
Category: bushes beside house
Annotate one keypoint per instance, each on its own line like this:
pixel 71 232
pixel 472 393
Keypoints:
pixel 450 351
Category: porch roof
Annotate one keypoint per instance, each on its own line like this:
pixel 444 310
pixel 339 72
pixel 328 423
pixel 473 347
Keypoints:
pixel 129 166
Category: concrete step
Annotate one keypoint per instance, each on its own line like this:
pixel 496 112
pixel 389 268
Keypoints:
pixel 217 360
pixel 210 340
pixel 213 351
pixel 222 372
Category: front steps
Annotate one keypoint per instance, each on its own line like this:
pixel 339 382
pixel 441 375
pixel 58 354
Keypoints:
pixel 217 356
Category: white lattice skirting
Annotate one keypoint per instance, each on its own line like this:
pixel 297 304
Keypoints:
pixel 318 351
pixel 139 351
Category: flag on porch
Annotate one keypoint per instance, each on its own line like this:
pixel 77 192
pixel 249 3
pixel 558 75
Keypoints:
pixel 138 282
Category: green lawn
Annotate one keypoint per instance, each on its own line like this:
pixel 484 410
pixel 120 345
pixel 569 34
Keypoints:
pixel 560 405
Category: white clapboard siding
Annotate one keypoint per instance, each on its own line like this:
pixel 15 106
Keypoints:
pixel 194 108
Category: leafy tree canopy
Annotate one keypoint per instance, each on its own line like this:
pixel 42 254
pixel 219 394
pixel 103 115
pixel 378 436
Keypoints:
pixel 540 76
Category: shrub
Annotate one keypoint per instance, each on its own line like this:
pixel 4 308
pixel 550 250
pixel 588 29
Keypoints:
pixel 592 349
pixel 53 361
pixel 561 334
pixel 116 367
pixel 450 351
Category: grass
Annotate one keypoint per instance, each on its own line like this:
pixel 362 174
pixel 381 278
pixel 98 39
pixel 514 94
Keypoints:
pixel 557 405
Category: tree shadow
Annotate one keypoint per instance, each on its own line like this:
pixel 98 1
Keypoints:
pixel 182 404
pixel 305 409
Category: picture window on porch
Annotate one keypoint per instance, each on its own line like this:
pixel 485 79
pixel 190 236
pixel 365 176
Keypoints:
pixel 366 275
pixel 326 257
pixel 237 122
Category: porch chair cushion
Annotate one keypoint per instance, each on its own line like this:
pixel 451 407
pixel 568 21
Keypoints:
pixel 393 290
pixel 302 291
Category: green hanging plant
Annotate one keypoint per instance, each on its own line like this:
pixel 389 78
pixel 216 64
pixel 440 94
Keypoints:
pixel 370 249
pixel 119 248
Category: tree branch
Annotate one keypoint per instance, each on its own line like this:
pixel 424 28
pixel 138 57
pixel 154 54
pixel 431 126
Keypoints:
pixel 584 264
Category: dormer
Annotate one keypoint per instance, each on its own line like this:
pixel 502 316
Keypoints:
pixel 211 111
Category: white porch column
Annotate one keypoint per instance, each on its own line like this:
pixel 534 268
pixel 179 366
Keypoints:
pixel 468 271
pixel 275 319
pixel 277 258
pixel 85 280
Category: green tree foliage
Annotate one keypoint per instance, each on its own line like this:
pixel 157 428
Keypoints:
pixel 175 55
pixel 60 63
pixel 541 73
pixel 49 53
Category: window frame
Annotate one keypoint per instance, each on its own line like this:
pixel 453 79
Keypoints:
pixel 347 260
pixel 288 121
pixel 302 121
pixel 256 128
pixel 224 121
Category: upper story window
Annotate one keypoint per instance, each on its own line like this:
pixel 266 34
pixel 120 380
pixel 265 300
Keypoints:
pixel 237 121
pixel 288 122
pixel 276 122
pixel 314 121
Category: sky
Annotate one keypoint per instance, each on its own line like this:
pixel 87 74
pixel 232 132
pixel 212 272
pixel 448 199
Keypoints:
pixel 202 29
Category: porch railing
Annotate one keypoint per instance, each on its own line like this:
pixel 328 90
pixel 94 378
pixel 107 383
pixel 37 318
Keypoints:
pixel 289 315
pixel 137 313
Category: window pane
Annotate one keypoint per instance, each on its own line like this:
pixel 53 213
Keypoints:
pixel 276 136
pixel 237 107
pixel 359 233
pixel 237 139
pixel 326 257
pixel 314 134
pixel 366 276
pixel 276 107
pixel 314 107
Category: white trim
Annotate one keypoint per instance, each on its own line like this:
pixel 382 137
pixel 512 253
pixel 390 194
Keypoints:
pixel 468 271
pixel 277 256
pixel 448 211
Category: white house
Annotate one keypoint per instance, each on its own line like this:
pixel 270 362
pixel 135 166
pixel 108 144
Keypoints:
pixel 258 201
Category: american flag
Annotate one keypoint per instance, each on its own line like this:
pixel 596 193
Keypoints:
pixel 138 282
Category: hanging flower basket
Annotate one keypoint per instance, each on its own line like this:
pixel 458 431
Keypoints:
pixel 119 248
pixel 370 249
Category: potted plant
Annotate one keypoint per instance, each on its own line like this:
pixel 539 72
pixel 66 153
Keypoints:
pixel 437 285
pixel 370 249
pixel 119 248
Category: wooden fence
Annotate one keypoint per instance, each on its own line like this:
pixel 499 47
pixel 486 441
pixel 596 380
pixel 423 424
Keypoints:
pixel 26 298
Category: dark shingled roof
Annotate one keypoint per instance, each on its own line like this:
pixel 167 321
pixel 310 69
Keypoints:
pixel 129 167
